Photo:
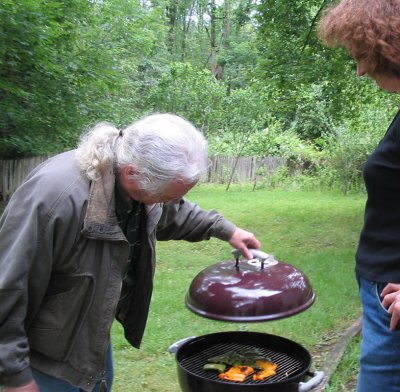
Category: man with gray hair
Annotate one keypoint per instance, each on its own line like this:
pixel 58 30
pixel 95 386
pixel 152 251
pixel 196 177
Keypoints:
pixel 77 248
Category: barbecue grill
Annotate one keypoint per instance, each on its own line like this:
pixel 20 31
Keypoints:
pixel 254 290
pixel 293 363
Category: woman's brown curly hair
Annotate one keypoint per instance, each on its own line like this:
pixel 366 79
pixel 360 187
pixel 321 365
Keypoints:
pixel 368 29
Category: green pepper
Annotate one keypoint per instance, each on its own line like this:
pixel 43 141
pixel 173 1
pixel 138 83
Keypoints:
pixel 245 358
pixel 215 366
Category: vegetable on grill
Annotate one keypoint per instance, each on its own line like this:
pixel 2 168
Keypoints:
pixel 247 357
pixel 236 373
pixel 221 367
pixel 269 369
pixel 241 365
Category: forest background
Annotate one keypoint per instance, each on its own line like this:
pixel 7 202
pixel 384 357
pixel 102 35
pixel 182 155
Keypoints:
pixel 250 74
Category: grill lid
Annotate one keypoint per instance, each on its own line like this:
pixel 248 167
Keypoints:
pixel 254 290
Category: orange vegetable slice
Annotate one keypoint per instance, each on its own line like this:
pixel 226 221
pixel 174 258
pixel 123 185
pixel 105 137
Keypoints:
pixel 236 373
pixel 269 369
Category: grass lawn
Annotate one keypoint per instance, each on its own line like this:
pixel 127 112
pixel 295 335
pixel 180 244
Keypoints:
pixel 345 377
pixel 315 232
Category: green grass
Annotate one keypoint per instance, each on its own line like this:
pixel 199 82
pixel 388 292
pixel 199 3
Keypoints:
pixel 315 232
pixel 345 377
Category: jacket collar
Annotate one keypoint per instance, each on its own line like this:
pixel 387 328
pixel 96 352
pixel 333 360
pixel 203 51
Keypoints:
pixel 100 220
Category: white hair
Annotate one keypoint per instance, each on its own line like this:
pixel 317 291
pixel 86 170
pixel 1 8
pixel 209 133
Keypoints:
pixel 161 147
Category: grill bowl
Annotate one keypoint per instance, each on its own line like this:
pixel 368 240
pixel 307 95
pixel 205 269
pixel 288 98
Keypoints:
pixel 293 362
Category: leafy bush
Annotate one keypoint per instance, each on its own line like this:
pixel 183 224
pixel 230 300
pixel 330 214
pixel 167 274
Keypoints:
pixel 191 93
pixel 346 149
pixel 268 141
pixel 311 117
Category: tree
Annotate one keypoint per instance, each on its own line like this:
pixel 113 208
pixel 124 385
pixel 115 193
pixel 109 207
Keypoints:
pixel 66 65
pixel 296 65
pixel 192 93
pixel 36 98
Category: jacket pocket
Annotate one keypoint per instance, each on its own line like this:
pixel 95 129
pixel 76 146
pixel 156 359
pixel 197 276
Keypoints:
pixel 61 315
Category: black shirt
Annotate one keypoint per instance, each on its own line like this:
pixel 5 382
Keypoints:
pixel 131 219
pixel 378 254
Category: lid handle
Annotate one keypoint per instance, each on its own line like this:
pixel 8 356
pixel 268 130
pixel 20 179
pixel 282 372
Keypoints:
pixel 257 254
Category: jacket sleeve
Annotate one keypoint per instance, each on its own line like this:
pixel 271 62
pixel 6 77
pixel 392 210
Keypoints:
pixel 18 239
pixel 187 221
pixel 32 236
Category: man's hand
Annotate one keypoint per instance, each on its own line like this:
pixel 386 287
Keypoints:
pixel 391 301
pixel 243 240
pixel 31 387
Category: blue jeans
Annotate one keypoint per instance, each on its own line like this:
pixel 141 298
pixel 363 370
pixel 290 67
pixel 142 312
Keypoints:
pixel 48 383
pixel 380 347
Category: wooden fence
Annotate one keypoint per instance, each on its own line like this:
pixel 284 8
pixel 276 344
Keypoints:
pixel 242 169
pixel 222 170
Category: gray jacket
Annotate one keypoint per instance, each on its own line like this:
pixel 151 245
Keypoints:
pixel 62 260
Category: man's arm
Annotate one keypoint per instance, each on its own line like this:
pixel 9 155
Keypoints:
pixel 187 221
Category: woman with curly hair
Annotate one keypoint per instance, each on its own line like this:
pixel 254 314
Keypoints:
pixel 370 31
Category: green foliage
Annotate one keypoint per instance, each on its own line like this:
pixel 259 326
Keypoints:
pixel 312 88
pixel 280 92
pixel 65 65
pixel 289 52
pixel 345 154
pixel 131 39
pixel 345 150
pixel 269 141
pixel 243 116
pixel 191 92
pixel 311 118
pixel 36 96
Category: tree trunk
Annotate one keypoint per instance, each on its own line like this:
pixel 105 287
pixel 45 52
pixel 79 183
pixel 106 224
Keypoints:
pixel 213 38
pixel 172 14
pixel 186 22
pixel 225 37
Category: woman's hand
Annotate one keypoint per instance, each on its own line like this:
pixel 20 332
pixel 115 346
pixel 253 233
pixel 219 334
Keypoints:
pixel 242 240
pixel 391 301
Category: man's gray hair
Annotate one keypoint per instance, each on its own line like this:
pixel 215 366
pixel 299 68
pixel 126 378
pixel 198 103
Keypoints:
pixel 161 147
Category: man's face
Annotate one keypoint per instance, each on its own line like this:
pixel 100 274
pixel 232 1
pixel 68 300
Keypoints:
pixel 172 193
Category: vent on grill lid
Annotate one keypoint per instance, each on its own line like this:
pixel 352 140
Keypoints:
pixel 260 289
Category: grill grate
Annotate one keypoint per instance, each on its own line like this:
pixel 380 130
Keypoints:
pixel 287 365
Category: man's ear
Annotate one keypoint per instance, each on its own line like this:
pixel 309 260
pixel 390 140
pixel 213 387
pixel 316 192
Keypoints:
pixel 129 171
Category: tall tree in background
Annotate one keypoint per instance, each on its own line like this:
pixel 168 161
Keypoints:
pixel 133 38
pixel 172 15
pixel 218 33
pixel 212 36
pixel 201 32
pixel 65 65
pixel 226 35
pixel 313 88
pixel 37 93
pixel 289 51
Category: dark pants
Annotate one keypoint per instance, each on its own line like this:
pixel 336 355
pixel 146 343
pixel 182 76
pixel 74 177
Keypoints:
pixel 48 383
